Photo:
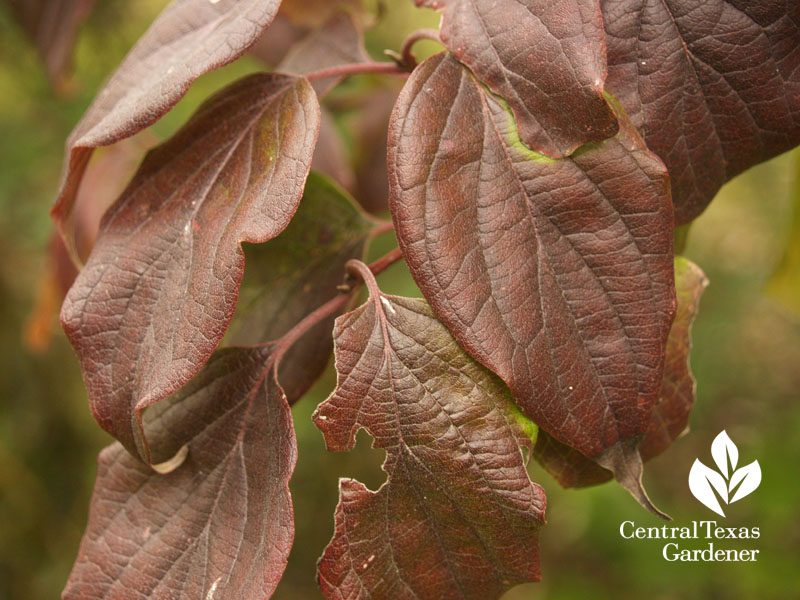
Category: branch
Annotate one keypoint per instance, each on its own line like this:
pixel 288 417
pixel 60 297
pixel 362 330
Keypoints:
pixel 385 261
pixel 335 304
pixel 406 57
pixel 380 68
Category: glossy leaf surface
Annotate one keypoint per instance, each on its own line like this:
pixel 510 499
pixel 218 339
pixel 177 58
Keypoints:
pixel 161 284
pixel 221 524
pixel 188 39
pixel 546 59
pixel 555 274
pixel 670 416
pixel 713 86
pixel 458 516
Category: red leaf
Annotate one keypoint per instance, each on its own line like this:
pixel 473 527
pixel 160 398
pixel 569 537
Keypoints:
pixel 337 41
pixel 215 510
pixel 555 274
pixel 670 416
pixel 161 284
pixel 189 38
pixel 713 86
pixel 219 526
pixel 547 59
pixel 331 153
pixel 314 13
pixel 458 516
pixel 52 25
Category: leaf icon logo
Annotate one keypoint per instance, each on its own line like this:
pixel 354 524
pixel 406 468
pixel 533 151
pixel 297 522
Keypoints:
pixel 729 484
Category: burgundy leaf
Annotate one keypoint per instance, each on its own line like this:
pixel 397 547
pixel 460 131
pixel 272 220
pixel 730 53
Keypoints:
pixel 219 526
pixel 369 131
pixel 277 40
pixel 337 41
pixel 188 39
pixel 235 420
pixel 713 86
pixel 331 153
pixel 295 273
pixel 546 59
pixel 52 26
pixel 555 274
pixel 458 516
pixel 161 283
pixel 670 416
pixel 297 19
pixel 314 13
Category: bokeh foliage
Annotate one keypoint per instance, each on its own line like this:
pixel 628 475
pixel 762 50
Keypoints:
pixel 746 359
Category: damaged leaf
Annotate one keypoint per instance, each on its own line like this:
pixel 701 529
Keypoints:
pixel 458 516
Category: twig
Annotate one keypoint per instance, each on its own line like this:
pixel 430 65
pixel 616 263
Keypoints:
pixel 407 58
pixel 381 68
pixel 354 267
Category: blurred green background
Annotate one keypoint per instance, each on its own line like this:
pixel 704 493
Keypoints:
pixel 746 359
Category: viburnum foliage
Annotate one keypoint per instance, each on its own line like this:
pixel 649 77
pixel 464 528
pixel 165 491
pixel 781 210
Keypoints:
pixel 536 170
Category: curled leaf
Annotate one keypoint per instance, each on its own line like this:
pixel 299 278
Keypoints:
pixel 161 283
pixel 189 38
pixel 218 526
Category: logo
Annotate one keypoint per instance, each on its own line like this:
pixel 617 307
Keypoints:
pixel 729 484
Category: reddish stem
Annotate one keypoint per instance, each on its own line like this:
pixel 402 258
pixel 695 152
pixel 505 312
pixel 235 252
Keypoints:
pixel 334 305
pixel 385 261
pixel 407 58
pixel 310 320
pixel 359 269
pixel 381 68
pixel 382 227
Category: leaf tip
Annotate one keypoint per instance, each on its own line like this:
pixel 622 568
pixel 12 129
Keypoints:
pixel 623 459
